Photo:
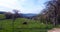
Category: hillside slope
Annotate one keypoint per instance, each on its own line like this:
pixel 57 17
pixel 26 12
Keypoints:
pixel 8 25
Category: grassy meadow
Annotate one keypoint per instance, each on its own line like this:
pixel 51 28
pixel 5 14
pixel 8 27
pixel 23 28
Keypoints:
pixel 8 25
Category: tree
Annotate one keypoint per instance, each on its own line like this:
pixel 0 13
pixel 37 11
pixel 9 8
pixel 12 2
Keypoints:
pixel 53 9
pixel 8 15
pixel 15 15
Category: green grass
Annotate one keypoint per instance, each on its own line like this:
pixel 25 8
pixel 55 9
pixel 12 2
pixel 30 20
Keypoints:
pixel 1 16
pixel 31 26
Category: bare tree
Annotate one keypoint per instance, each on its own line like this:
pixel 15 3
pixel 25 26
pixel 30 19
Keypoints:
pixel 15 15
pixel 53 7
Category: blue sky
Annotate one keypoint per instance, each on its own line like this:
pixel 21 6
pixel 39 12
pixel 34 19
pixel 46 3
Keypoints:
pixel 24 6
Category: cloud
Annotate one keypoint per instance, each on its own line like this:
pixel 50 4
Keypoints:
pixel 9 3
pixel 25 6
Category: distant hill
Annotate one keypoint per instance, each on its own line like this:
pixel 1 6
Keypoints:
pixel 1 12
pixel 29 15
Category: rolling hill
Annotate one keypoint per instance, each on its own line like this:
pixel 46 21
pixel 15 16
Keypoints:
pixel 7 25
pixel 32 26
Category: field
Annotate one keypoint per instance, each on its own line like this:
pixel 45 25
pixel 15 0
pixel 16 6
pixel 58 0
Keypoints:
pixel 7 25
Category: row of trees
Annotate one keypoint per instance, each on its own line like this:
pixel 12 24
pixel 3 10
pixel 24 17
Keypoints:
pixel 9 15
pixel 51 13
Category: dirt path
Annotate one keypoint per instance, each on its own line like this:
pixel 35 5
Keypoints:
pixel 54 30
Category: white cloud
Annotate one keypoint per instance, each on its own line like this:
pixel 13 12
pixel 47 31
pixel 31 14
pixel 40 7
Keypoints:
pixel 25 6
pixel 9 3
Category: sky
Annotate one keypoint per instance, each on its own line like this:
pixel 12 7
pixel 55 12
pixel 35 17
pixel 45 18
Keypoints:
pixel 24 6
